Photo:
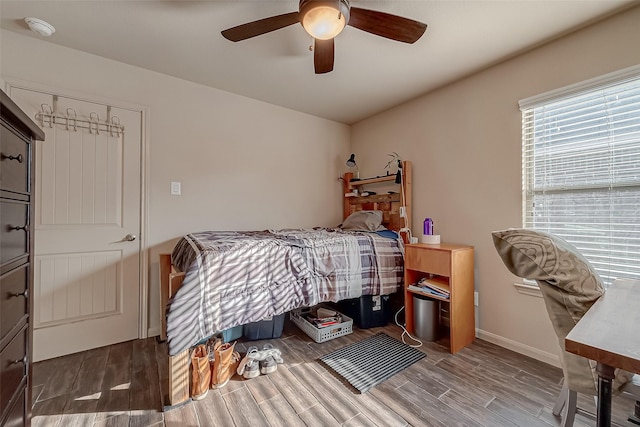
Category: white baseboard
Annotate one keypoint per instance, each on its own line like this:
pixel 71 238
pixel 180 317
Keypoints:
pixel 532 352
pixel 543 356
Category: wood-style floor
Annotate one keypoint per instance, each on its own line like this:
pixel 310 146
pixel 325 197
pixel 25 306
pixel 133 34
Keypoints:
pixel 482 385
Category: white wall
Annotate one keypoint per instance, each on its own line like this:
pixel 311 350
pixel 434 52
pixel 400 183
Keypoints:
pixel 243 164
pixel 465 144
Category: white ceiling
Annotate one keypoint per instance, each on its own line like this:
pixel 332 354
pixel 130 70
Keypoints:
pixel 371 74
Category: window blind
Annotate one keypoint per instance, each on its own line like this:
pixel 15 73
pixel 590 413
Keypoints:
pixel 581 173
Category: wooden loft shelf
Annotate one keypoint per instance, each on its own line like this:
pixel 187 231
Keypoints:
pixel 372 180
pixel 392 203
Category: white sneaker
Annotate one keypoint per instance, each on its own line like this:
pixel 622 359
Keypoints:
pixel 270 359
pixel 249 367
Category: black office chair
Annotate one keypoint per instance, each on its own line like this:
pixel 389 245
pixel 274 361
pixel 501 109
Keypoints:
pixel 569 286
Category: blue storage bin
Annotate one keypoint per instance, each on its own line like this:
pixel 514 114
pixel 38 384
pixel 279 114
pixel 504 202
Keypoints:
pixel 227 335
pixel 232 334
pixel 264 329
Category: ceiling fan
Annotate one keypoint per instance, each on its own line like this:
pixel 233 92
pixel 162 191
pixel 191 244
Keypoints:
pixel 324 20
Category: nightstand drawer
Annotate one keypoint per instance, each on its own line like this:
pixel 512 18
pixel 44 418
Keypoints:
pixel 427 260
pixel 14 158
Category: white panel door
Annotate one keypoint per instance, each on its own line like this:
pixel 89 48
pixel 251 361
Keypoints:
pixel 87 226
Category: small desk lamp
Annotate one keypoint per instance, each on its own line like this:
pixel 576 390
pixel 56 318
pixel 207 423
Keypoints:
pixel 352 163
pixel 399 173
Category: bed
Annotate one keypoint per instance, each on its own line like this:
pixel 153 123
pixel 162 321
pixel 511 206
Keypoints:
pixel 215 280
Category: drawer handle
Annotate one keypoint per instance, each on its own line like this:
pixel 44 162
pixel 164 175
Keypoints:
pixel 24 293
pixel 17 228
pixel 19 158
pixel 24 360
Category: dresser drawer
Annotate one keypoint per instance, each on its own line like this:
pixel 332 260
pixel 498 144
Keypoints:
pixel 12 367
pixel 17 416
pixel 13 243
pixel 13 301
pixel 14 161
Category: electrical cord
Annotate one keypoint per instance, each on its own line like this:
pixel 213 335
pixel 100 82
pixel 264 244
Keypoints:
pixel 405 332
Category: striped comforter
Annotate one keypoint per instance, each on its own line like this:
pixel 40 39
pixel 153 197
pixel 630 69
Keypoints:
pixel 233 278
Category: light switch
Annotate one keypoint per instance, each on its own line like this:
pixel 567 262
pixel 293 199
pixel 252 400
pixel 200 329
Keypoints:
pixel 175 188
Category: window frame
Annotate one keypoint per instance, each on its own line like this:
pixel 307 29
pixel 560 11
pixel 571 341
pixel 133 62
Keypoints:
pixel 530 287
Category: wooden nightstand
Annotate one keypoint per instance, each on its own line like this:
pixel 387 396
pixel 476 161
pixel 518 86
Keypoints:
pixel 450 265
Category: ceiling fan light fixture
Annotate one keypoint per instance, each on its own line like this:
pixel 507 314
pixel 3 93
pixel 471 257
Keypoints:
pixel 324 20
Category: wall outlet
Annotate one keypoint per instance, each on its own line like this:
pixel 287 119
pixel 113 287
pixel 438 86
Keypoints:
pixel 413 240
pixel 403 212
pixel 475 299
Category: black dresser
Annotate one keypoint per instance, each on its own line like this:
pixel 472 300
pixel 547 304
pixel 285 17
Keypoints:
pixel 19 133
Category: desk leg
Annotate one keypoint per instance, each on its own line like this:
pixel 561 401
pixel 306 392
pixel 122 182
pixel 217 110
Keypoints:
pixel 606 374
pixel 635 417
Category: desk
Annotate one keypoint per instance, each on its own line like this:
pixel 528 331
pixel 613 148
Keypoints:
pixel 609 334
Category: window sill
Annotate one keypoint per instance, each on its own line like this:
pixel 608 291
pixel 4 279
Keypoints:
pixel 526 289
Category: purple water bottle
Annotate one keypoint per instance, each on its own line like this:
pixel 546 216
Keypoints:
pixel 428 227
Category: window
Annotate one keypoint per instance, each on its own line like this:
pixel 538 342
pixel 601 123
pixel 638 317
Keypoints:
pixel 581 170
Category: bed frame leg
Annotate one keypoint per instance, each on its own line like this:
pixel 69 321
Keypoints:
pixel 179 378
pixel 170 282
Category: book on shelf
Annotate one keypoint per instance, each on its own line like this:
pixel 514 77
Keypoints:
pixel 431 286
pixel 437 285
pixel 427 290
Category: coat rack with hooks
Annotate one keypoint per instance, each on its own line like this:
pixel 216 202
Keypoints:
pixel 48 116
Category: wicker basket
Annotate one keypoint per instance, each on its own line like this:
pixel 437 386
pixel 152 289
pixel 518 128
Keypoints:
pixel 321 334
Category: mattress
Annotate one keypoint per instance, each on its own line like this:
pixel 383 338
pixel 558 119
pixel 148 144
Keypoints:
pixel 237 277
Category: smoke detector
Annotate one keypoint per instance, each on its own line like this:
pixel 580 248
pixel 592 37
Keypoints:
pixel 40 27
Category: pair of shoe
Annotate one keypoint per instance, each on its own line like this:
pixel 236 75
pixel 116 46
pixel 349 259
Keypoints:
pixel 257 362
pixel 212 367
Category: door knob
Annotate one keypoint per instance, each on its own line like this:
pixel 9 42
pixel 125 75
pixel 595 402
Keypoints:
pixel 129 238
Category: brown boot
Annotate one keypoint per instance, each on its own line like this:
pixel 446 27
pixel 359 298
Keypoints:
pixel 211 345
pixel 200 373
pixel 225 364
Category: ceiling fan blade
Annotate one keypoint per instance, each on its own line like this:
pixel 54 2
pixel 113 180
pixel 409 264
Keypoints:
pixel 259 27
pixel 386 25
pixel 323 54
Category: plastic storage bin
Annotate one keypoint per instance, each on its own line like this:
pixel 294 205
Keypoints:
pixel 321 334
pixel 264 329
pixel 232 334
pixel 368 311
pixel 227 335
pixel 425 317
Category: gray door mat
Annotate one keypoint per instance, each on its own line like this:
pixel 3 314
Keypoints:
pixel 371 361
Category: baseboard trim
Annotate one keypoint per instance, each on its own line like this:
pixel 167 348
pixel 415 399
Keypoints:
pixel 543 356
pixel 152 332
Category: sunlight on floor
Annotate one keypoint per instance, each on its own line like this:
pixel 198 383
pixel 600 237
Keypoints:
pixel 124 386
pixel 94 396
